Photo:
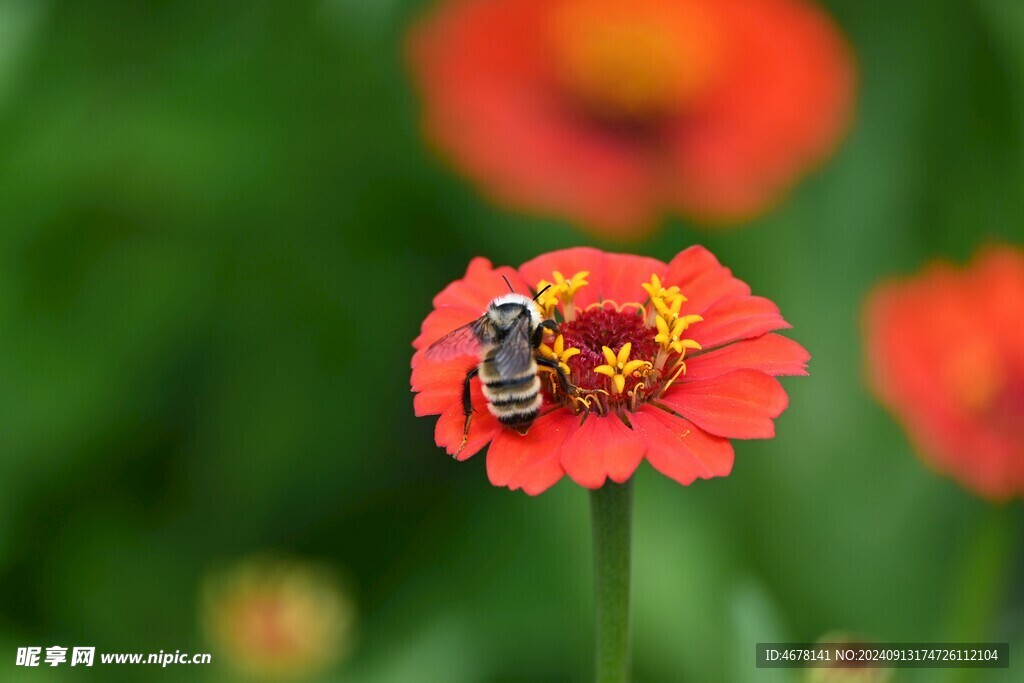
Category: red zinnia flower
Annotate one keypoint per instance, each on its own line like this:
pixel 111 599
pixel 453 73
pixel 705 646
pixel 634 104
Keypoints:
pixel 946 353
pixel 670 361
pixel 607 112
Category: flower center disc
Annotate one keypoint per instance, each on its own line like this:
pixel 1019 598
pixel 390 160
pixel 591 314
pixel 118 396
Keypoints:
pixel 632 60
pixel 595 328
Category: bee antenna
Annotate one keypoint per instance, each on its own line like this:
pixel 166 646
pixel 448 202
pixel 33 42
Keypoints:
pixel 546 288
pixel 510 287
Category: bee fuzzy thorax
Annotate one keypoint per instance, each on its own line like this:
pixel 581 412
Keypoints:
pixel 504 309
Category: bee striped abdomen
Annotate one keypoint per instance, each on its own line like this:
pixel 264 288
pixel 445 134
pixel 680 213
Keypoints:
pixel 515 401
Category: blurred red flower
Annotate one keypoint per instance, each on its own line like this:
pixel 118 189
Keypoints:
pixel 606 112
pixel 670 362
pixel 946 356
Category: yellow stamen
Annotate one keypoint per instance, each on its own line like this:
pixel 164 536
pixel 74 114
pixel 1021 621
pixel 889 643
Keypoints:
pixel 681 370
pixel 558 353
pixel 656 290
pixel 668 306
pixel 618 367
pixel 563 291
pixel 547 300
pixel 589 402
pixel 670 334
pixel 572 285
pixel 636 396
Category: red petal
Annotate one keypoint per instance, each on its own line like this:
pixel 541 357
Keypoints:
pixel 478 286
pixel 483 428
pixel 531 462
pixel 772 354
pixel 702 279
pixel 439 386
pixel 569 262
pixel 602 447
pixel 738 405
pixel 625 273
pixel 680 450
pixel 737 317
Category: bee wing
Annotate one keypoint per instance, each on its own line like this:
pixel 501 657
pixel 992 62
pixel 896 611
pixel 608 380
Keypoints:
pixel 515 355
pixel 463 341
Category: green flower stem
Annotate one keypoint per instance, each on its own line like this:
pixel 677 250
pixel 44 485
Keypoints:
pixel 982 584
pixel 611 515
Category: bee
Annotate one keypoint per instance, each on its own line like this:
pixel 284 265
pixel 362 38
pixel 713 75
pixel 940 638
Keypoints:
pixel 506 338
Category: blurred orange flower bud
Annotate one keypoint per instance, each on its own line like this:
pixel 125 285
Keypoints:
pixel 277 619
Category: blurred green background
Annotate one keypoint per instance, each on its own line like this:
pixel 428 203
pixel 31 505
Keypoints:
pixel 220 231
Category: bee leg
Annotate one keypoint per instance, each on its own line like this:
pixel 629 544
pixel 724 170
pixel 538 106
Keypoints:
pixel 538 334
pixel 563 377
pixel 467 408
